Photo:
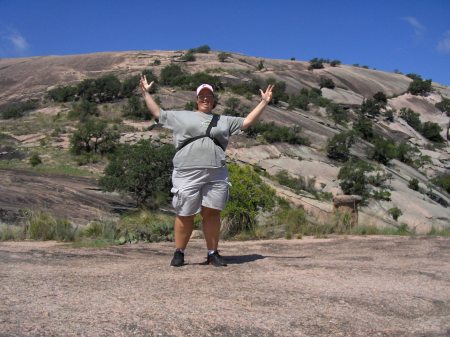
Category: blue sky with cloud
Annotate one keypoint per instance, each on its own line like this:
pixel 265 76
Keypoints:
pixel 409 36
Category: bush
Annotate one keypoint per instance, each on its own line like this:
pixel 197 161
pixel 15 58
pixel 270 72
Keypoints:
pixel 337 113
pixel 370 107
pixel 338 147
pixel 326 82
pixel 279 90
pixel 443 181
pixel 273 133
pixel 83 110
pixel 395 212
pixel 444 106
pixel 413 184
pixel 432 131
pixel 43 226
pixel 188 57
pixel 248 195
pixel 35 160
pixel 204 49
pixel 93 136
pixel 17 110
pixel 223 56
pixel 142 170
pixel 412 118
pixel 305 97
pixel 172 75
pixel 135 108
pixel 363 127
pixel 353 178
pixel 420 87
pixel 315 63
pixel 384 150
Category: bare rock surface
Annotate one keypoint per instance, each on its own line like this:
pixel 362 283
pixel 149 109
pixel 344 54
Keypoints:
pixel 338 286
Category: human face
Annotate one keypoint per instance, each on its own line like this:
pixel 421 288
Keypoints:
pixel 205 101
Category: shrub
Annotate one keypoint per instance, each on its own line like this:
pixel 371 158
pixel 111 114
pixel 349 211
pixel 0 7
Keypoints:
pixel 260 65
pixel 279 90
pixel 326 82
pixel 443 181
pixel 444 106
pixel 273 133
pixel 395 212
pixel 383 151
pixel 135 108
pixel 353 180
pixel 315 63
pixel 204 49
pixel 413 184
pixel 246 88
pixel 370 107
pixel 35 160
pixel 93 136
pixel 41 226
pixel 363 128
pixel 172 75
pixel 223 56
pixel 83 110
pixel 17 110
pixel 412 118
pixel 305 97
pixel 337 113
pixel 142 170
pixel 188 57
pixel 338 147
pixel 432 131
pixel 380 98
pixel 248 195
pixel 420 87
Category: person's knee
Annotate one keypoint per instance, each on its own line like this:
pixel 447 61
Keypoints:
pixel 210 212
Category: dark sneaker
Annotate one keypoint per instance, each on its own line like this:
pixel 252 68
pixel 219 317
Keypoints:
pixel 178 259
pixel 216 260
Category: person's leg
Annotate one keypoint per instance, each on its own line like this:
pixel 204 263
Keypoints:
pixel 211 227
pixel 183 230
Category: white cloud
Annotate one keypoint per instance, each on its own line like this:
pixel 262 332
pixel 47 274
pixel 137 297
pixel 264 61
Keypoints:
pixel 419 29
pixel 444 44
pixel 12 43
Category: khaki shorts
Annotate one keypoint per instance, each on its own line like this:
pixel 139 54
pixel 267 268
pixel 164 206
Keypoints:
pixel 194 188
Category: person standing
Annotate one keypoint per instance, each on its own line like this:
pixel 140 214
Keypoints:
pixel 200 177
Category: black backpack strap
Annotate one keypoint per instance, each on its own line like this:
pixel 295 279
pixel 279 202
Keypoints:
pixel 213 122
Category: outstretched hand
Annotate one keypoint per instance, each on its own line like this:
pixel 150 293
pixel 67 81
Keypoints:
pixel 144 85
pixel 267 95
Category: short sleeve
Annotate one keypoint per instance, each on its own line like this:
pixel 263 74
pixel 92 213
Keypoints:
pixel 234 124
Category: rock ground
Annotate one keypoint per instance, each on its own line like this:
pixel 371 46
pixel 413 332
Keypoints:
pixel 337 286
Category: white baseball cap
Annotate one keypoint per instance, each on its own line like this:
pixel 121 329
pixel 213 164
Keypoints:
pixel 204 86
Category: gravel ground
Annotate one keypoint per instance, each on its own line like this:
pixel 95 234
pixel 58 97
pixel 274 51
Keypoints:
pixel 339 286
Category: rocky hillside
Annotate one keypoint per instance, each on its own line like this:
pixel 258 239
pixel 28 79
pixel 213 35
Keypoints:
pixel 423 208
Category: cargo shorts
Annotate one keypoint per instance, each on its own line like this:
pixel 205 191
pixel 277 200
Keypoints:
pixel 194 188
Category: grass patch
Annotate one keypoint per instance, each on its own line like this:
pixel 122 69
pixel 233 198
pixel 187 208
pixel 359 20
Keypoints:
pixel 439 232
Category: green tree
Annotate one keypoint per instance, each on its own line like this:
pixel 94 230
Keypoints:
pixel 84 110
pixel 143 170
pixel 444 106
pixel 172 75
pixel 338 147
pixel 135 108
pixel 248 195
pixel 337 113
pixel 413 184
pixel 405 153
pixel 370 107
pixel 223 56
pixel 432 131
pixel 93 136
pixel 384 150
pixel 395 212
pixel 326 82
pixel 353 179
pixel 420 87
pixel 363 127
pixel 412 118
pixel 279 90
pixel 380 98
pixel 315 63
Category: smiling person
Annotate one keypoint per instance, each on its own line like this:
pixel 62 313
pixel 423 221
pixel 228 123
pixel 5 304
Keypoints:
pixel 200 177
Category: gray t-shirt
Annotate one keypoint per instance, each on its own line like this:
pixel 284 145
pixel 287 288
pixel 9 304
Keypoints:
pixel 203 152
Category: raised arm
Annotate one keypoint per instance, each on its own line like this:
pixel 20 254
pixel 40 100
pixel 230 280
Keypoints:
pixel 151 104
pixel 253 116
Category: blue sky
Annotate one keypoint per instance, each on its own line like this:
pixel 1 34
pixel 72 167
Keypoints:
pixel 410 36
